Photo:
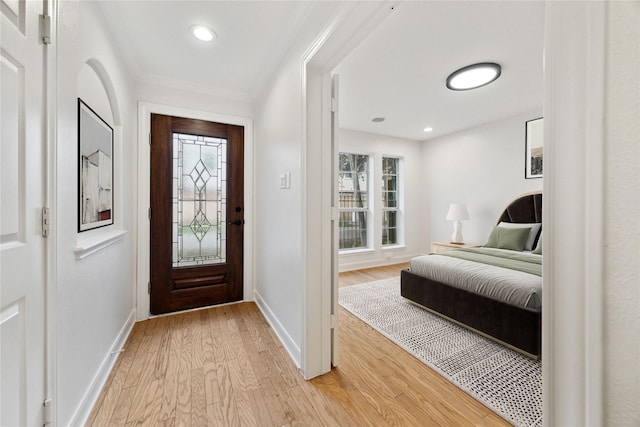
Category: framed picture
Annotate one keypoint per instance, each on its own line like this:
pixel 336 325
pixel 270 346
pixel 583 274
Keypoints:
pixel 95 170
pixel 533 148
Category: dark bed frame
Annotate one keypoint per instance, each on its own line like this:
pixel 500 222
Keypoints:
pixel 519 328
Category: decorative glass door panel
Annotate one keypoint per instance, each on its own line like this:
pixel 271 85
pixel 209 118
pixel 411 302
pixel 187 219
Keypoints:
pixel 197 213
pixel 199 200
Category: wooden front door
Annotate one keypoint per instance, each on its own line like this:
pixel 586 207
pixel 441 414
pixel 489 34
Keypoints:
pixel 197 213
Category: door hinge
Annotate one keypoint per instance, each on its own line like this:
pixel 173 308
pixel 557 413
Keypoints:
pixel 45 222
pixel 334 105
pixel 334 321
pixel 149 288
pixel 149 138
pixel 45 29
pixel 47 409
pixel 149 214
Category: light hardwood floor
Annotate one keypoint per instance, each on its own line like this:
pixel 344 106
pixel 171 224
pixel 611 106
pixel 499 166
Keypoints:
pixel 224 366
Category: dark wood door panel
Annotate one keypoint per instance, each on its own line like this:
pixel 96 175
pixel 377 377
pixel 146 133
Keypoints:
pixel 194 298
pixel 199 127
pixel 176 285
pixel 196 282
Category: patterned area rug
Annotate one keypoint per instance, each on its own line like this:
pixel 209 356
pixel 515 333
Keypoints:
pixel 502 379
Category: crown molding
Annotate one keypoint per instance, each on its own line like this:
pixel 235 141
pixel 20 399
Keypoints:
pixel 284 43
pixel 184 85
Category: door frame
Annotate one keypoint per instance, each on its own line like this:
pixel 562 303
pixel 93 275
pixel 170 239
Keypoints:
pixel 50 190
pixel 351 23
pixel 145 109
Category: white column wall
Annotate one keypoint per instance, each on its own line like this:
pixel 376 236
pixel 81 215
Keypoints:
pixel 622 213
pixel 95 269
pixel 591 327
pixel 280 254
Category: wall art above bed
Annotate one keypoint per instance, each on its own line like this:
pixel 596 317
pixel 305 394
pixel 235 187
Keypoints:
pixel 534 144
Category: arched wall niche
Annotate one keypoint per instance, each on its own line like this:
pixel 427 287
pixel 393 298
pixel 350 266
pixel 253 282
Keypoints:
pixel 95 88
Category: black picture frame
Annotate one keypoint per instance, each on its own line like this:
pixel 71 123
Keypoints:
pixel 534 147
pixel 95 170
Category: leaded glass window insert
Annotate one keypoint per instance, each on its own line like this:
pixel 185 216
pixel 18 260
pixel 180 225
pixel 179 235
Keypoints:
pixel 353 186
pixel 390 205
pixel 199 231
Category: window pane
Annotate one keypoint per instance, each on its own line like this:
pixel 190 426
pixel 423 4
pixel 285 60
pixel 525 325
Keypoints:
pixel 389 201
pixel 353 186
pixel 353 230
pixel 353 180
pixel 389 165
pixel 389 183
pixel 389 228
pixel 199 200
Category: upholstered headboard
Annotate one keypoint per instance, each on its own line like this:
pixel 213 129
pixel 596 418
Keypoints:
pixel 526 208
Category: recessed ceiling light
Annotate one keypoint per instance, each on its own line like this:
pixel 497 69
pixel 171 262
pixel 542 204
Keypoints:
pixel 203 33
pixel 473 76
pixel 428 129
pixel 377 119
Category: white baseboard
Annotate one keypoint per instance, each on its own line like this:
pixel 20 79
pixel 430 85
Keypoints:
pixel 346 265
pixel 288 343
pixel 89 399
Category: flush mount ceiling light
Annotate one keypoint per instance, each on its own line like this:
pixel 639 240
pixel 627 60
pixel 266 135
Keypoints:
pixel 473 76
pixel 428 129
pixel 203 33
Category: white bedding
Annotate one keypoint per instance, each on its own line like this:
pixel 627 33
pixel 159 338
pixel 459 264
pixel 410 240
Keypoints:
pixel 511 286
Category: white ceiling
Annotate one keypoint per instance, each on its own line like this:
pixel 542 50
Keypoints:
pixel 397 72
pixel 252 37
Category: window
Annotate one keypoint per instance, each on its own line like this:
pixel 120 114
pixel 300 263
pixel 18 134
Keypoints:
pixel 353 186
pixel 389 201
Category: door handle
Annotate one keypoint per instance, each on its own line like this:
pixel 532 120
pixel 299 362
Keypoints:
pixel 237 222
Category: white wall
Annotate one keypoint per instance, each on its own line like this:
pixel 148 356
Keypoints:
pixel 94 269
pixel 482 167
pixel 412 198
pixel 622 212
pixel 591 326
pixel 279 238
pixel 195 98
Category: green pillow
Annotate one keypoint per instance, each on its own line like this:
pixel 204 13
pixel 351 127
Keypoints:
pixel 538 249
pixel 508 238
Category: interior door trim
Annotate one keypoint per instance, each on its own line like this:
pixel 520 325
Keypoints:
pixel 145 109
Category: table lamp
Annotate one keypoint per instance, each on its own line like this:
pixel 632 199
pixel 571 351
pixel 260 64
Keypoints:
pixel 457 213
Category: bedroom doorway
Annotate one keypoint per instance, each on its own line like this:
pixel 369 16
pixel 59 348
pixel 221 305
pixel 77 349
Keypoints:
pixel 197 213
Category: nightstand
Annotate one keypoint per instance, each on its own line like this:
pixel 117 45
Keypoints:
pixel 437 247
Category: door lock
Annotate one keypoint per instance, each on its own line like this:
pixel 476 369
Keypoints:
pixel 236 222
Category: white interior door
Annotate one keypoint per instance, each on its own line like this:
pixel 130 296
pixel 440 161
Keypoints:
pixel 335 86
pixel 22 196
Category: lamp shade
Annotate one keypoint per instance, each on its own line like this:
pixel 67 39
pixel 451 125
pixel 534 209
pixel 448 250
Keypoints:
pixel 457 212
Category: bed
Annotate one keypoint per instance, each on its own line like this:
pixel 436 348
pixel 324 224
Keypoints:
pixel 515 323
